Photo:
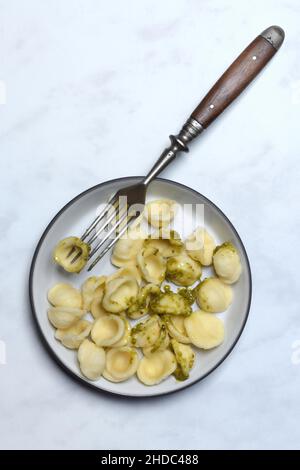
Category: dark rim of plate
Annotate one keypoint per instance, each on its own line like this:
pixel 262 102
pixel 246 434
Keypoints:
pixel 32 267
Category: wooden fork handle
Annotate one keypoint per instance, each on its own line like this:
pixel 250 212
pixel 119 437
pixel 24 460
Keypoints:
pixel 240 73
pixel 243 70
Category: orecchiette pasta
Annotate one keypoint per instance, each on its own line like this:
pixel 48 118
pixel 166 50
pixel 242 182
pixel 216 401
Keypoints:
pixel 89 288
pixel 213 295
pixel 146 333
pixel 80 249
pixel 161 212
pixel 200 246
pixel 227 264
pixel 166 241
pixel 170 303
pixel 176 328
pixel 97 309
pixel 126 338
pixel 109 377
pixel 127 248
pixel 139 308
pixel 91 359
pixel 135 314
pixel 204 330
pixel 107 330
pixel 126 271
pixel 185 358
pixel 64 317
pixel 183 270
pixel 155 368
pixel 165 340
pixel 160 344
pixel 119 294
pixel 152 265
pixel 121 363
pixel 65 295
pixel 73 336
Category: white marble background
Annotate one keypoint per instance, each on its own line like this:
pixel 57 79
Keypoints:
pixel 93 88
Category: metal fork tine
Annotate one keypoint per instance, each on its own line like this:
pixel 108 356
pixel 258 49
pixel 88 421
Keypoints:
pixel 99 217
pixel 109 246
pixel 103 227
pixel 105 224
pixel 122 217
pixel 76 257
pixel 111 231
pixel 71 252
pixel 95 222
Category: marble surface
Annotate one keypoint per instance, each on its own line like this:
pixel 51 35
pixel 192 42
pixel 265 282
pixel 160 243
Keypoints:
pixel 89 91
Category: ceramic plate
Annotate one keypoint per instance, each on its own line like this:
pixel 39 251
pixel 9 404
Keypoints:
pixel 76 215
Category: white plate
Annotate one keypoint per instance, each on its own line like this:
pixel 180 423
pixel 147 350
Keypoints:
pixel 73 218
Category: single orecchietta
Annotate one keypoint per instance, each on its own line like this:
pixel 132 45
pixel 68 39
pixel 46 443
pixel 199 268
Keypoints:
pixel 91 360
pixel 200 246
pixel 205 331
pixel 108 330
pixel 146 333
pixel 65 295
pixel 64 317
pixel 152 265
pixel 166 241
pixel 156 367
pixel 73 336
pixel 170 303
pixel 121 363
pixel 183 270
pixel 131 322
pixel 79 249
pixel 185 358
pixel 160 212
pixel 127 248
pixel 176 328
pixel 119 293
pixel 213 295
pixel 227 263
pixel 91 286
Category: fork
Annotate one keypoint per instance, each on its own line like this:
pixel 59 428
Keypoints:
pixel 236 78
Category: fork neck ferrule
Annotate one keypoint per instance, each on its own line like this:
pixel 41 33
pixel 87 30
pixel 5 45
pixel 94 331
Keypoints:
pixel 189 131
